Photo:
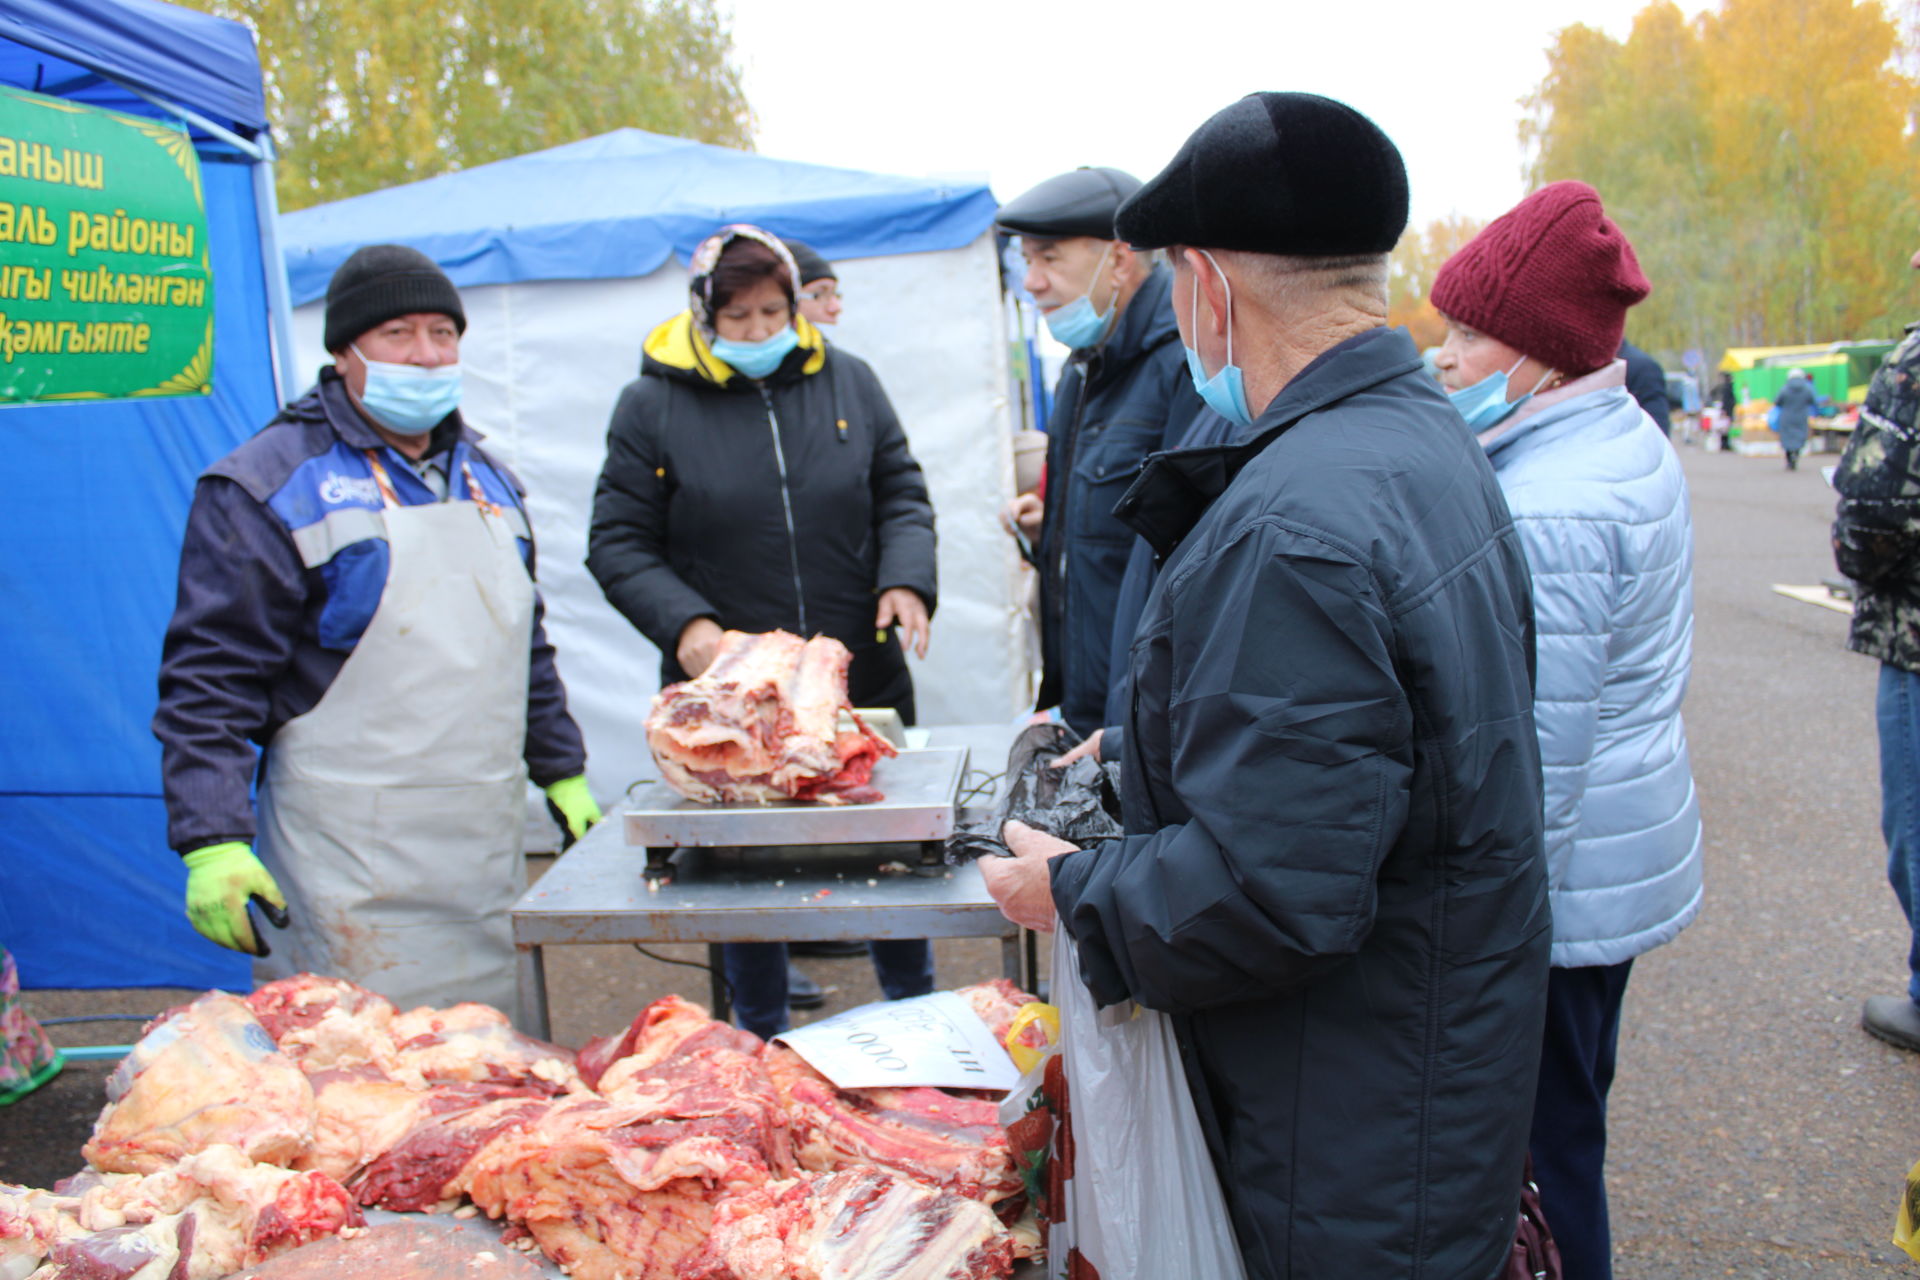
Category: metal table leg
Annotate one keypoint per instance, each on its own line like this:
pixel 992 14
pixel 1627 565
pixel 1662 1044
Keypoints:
pixel 1010 960
pixel 1032 946
pixel 532 978
pixel 717 978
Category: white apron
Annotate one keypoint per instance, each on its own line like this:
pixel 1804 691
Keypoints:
pixel 391 814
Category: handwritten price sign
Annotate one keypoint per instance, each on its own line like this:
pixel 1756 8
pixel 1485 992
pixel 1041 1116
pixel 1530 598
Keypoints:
pixel 934 1040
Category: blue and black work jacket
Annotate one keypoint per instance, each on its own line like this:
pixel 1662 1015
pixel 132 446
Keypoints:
pixel 283 565
pixel 1115 404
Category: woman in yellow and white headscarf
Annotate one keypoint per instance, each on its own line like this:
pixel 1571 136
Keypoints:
pixel 758 479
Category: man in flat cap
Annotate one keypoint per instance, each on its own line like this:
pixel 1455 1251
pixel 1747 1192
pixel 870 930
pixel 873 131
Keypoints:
pixel 1123 394
pixel 1332 875
pixel 357 601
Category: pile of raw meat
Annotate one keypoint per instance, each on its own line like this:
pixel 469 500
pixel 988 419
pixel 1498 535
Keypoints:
pixel 763 723
pixel 681 1149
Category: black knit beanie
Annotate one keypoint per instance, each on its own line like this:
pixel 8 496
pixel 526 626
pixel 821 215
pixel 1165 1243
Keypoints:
pixel 381 281
pixel 812 265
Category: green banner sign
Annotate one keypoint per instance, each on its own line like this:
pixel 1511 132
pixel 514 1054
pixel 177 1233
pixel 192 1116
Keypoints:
pixel 105 291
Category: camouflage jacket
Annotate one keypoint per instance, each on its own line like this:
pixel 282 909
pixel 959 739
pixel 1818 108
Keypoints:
pixel 1876 530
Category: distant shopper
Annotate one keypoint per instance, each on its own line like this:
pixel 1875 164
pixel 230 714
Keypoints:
pixel 1647 383
pixel 1876 542
pixel 1534 307
pixel 1123 395
pixel 819 296
pixel 1796 402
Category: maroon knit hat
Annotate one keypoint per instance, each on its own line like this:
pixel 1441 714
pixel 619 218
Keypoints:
pixel 1551 277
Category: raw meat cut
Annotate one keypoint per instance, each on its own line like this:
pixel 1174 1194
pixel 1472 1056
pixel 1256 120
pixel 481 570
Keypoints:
pixel 400 1251
pixel 474 1043
pixel 668 1026
pixel 204 1074
pixel 860 1224
pixel 201 1219
pixel 947 1139
pixel 611 1193
pixel 358 1113
pixel 431 1164
pixel 326 1024
pixel 997 1002
pixel 287 1006
pixel 762 723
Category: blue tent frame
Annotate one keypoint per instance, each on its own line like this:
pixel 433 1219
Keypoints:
pixel 90 895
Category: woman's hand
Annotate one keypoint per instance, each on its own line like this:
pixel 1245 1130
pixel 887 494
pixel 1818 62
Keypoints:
pixel 902 606
pixel 699 641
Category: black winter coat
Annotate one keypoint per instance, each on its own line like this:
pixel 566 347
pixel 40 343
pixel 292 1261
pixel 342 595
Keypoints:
pixel 790 503
pixel 1333 873
pixel 1115 404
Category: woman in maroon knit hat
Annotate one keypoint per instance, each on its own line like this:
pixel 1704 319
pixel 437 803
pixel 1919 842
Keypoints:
pixel 1535 306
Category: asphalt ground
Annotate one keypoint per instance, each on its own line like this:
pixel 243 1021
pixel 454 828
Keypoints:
pixel 1756 1130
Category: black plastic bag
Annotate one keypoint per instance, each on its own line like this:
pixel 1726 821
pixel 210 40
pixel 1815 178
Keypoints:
pixel 1079 804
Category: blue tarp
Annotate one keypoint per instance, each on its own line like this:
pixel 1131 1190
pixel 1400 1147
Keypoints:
pixel 90 895
pixel 619 204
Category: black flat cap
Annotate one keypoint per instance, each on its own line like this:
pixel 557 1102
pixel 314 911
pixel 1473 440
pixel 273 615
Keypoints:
pixel 812 265
pixel 1081 203
pixel 1282 173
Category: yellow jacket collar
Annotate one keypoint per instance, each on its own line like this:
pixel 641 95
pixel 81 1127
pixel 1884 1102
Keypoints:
pixel 679 344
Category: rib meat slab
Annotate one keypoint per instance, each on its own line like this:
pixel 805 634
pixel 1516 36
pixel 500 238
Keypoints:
pixel 762 723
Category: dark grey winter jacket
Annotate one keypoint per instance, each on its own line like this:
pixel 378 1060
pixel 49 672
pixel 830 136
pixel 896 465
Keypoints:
pixel 1333 873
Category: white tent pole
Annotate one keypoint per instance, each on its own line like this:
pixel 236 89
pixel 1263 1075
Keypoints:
pixel 274 265
pixel 225 135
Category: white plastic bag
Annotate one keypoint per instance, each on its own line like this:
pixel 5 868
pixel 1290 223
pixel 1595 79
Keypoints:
pixel 1142 1199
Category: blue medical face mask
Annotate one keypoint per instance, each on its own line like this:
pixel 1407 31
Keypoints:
pixel 1077 324
pixel 757 359
pixel 1485 403
pixel 1226 391
pixel 407 399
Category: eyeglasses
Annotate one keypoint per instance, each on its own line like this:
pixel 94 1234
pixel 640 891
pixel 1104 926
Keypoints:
pixel 823 293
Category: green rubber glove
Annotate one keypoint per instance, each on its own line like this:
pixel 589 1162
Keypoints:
pixel 572 806
pixel 221 879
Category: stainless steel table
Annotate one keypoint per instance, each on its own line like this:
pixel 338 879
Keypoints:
pixel 598 892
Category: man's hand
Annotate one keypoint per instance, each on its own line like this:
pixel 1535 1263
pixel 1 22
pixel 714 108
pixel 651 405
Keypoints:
pixel 572 806
pixel 903 605
pixel 221 878
pixel 1021 884
pixel 1090 747
pixel 1023 516
pixel 699 641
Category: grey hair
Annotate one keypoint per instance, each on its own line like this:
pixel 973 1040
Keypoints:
pixel 1289 281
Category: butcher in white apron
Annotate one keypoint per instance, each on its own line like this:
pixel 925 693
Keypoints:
pixel 356 595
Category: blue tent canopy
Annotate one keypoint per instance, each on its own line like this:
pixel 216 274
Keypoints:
pixel 90 895
pixel 619 204
pixel 100 51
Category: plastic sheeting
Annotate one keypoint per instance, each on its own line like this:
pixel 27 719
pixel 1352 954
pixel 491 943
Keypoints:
pixel 90 895
pixel 544 362
pixel 616 205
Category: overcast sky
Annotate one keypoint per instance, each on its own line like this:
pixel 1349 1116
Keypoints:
pixel 1019 92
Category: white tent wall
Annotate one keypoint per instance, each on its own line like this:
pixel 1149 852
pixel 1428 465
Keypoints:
pixel 544 361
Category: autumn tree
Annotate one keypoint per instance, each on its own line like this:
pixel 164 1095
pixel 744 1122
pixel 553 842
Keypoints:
pixel 1758 156
pixel 366 94
pixel 1416 259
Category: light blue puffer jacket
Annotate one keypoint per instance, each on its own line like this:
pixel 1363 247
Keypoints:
pixel 1601 505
